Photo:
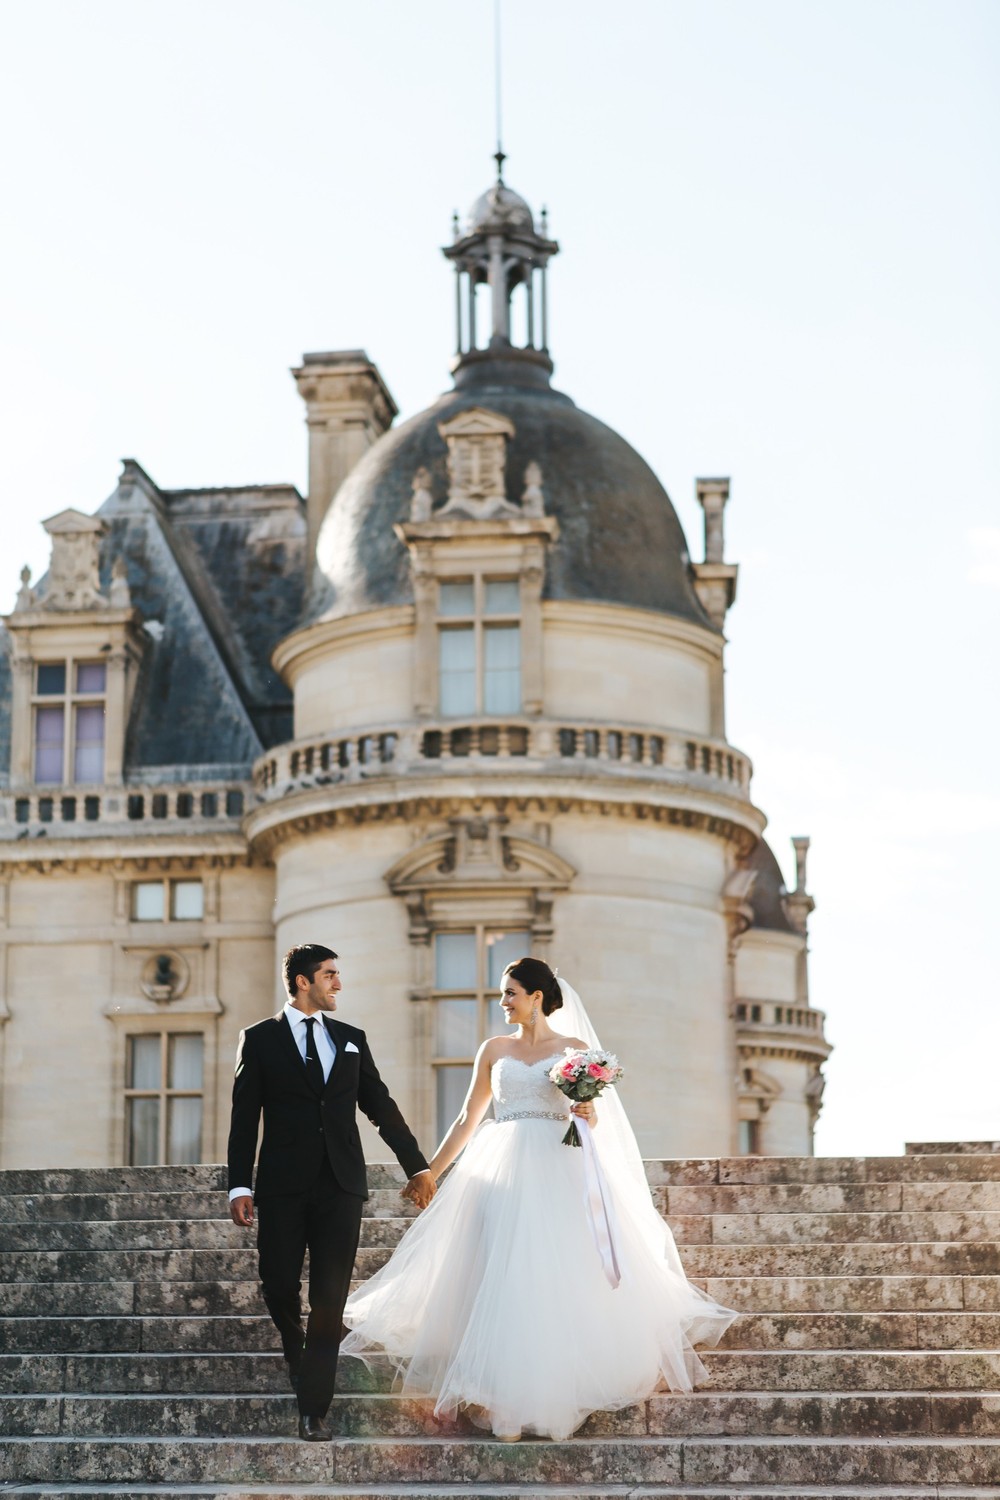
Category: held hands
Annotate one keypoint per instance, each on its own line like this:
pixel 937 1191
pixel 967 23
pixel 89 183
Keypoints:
pixel 420 1189
pixel 241 1211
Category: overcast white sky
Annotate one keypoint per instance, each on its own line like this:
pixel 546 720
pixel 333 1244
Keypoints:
pixel 781 232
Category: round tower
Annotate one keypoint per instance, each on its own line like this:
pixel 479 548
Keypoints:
pixel 510 727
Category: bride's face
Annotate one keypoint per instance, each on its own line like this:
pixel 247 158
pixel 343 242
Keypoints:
pixel 516 1003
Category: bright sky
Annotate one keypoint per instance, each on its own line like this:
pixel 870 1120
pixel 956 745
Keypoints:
pixel 781 232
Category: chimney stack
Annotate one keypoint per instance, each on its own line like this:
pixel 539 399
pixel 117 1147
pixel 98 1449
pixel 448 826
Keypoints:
pixel 348 406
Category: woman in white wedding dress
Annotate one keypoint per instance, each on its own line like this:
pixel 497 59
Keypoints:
pixel 497 1299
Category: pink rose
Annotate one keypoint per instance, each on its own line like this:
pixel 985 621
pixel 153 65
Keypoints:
pixel 568 1069
pixel 596 1071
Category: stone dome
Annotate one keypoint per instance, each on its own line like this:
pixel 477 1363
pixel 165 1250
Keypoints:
pixel 501 208
pixel 620 541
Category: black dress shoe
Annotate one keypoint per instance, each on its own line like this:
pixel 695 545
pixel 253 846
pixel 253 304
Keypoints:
pixel 314 1430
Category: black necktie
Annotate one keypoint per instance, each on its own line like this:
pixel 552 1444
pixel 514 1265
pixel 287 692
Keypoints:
pixel 314 1068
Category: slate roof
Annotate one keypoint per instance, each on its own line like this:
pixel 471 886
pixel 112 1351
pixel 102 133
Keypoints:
pixel 768 889
pixel 218 576
pixel 620 539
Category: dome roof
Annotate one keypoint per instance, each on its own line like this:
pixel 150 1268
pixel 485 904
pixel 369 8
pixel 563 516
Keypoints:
pixel 619 541
pixel 768 890
pixel 499 207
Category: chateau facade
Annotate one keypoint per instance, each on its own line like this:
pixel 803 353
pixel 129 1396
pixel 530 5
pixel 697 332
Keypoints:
pixel 464 701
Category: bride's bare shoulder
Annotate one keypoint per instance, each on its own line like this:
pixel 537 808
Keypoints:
pixel 494 1047
pixel 575 1044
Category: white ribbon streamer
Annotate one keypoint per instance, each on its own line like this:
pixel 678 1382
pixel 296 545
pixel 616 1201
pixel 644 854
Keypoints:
pixel 597 1201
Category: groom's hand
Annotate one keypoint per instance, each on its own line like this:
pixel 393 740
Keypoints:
pixel 420 1189
pixel 241 1210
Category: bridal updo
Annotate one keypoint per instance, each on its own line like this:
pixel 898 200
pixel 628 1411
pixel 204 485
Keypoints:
pixel 534 975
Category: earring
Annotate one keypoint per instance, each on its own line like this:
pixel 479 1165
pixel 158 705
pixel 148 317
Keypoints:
pixel 534 1014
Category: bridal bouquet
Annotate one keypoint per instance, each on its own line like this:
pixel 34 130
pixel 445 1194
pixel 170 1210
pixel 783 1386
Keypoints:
pixel 582 1076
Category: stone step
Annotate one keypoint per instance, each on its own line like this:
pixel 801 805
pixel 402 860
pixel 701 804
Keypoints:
pixel 920 1258
pixel 162 1234
pixel 677 1203
pixel 523 1491
pixel 752 1294
pixel 75 1208
pixel 701 1261
pixel 853 1293
pixel 691 1462
pixel 704 1414
pixel 864 1197
pixel 821 1371
pixel 211 1177
pixel 255 1333
pixel 745 1229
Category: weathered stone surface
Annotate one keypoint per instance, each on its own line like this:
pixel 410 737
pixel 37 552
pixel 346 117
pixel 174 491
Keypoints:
pixel 113 1265
pixel 74 1208
pixel 937 1197
pixel 843 1293
pixel 790 1461
pixel 827 1331
pixel 847 1259
pixel 798 1198
pixel 790 1228
pixel 160 1234
pixel 854 1370
pixel 928 1168
pixel 86 1335
pixel 67 1298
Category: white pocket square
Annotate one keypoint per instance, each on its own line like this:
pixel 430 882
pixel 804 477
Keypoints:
pixel 350 1047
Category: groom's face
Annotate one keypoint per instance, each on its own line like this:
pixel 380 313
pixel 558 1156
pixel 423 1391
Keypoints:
pixel 325 986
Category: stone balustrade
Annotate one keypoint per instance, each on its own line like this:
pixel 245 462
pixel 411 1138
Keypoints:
pixel 76 811
pixel 776 1020
pixel 548 745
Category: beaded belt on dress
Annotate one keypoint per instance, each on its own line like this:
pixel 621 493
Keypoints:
pixel 531 1114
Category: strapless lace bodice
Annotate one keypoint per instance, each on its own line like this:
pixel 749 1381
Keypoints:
pixel 524 1091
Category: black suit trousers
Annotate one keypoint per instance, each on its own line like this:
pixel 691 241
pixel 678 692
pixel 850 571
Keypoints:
pixel 326 1221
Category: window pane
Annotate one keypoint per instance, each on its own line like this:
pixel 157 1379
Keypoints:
pixel 502 948
pixel 455 961
pixel 52 677
pixel 88 755
pixel 502 685
pixel 503 597
pixel 456 599
pixel 147 901
pixel 457 658
pixel 144 1062
pixel 452 1087
pixel 456 1028
pixel 143 1132
pixel 185 1065
pixel 91 677
pixel 49 726
pixel 183 1130
pixel 187 901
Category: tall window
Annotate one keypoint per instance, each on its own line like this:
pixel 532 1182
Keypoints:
pixel 479 646
pixel 467 970
pixel 68 711
pixel 164 1098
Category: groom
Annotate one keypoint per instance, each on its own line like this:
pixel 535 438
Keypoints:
pixel 308 1074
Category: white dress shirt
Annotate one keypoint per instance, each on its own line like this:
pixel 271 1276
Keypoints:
pixel 326 1051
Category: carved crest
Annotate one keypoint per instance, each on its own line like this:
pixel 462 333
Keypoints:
pixel 73 581
pixel 477 463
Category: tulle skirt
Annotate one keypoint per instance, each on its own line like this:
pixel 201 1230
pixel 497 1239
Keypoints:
pixel 496 1301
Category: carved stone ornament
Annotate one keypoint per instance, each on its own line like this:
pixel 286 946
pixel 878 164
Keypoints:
pixel 422 502
pixel 477 464
pixel 119 594
pixel 25 594
pixel 165 977
pixel 73 580
pixel 533 500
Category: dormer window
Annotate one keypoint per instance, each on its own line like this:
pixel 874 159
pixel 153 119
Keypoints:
pixel 479 646
pixel 68 709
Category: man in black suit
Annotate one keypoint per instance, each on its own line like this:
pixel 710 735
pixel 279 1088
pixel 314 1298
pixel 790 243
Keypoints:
pixel 308 1075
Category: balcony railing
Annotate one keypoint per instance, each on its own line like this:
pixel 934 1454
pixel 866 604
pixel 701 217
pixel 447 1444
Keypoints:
pixel 774 1021
pixel 93 811
pixel 553 746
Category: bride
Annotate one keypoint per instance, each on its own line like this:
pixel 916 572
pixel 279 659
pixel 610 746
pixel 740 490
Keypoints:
pixel 497 1298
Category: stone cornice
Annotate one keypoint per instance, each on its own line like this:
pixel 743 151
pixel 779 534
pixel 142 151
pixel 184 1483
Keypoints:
pixel 173 853
pixel 314 808
pixel 627 623
pixel 333 635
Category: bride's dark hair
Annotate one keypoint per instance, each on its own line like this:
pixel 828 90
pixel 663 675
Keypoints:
pixel 534 974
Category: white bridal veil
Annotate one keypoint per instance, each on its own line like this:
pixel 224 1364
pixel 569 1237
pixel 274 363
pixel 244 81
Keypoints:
pixel 614 1139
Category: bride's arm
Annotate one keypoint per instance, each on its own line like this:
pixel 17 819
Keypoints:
pixel 461 1130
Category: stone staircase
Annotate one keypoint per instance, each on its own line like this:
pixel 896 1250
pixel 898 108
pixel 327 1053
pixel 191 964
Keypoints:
pixel 135 1359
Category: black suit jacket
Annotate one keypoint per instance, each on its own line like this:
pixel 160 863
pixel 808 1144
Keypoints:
pixel 302 1126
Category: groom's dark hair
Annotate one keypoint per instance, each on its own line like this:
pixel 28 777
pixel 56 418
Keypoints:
pixel 304 959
